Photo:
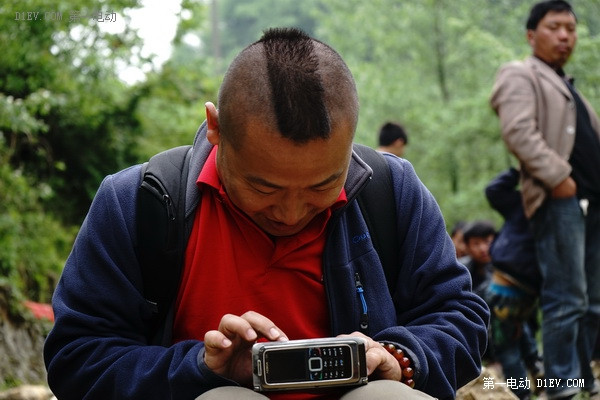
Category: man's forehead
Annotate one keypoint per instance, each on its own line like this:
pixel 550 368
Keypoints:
pixel 315 183
pixel 559 16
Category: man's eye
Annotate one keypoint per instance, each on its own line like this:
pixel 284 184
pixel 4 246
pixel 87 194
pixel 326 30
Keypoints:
pixel 322 189
pixel 265 192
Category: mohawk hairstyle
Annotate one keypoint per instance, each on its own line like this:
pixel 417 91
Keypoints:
pixel 296 85
pixel 291 83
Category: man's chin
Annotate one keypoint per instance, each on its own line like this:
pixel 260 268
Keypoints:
pixel 283 232
pixel 279 229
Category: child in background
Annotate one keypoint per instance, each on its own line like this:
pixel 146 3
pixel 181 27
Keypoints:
pixel 478 236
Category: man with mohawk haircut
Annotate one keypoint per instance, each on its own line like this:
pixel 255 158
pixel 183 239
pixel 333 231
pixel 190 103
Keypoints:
pixel 278 248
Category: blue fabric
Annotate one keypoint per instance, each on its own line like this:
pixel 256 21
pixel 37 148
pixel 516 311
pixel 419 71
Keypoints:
pixel 568 245
pixel 508 291
pixel 98 348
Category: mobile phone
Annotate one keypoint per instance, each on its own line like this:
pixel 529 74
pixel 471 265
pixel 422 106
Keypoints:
pixel 309 364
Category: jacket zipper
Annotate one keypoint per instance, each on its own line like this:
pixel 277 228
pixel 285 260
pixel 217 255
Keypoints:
pixel 160 193
pixel 364 316
pixel 333 222
pixel 169 206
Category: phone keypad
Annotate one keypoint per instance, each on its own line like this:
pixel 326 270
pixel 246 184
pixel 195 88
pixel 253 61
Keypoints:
pixel 333 365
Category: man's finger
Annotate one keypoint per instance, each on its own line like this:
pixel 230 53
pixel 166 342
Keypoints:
pixel 217 340
pixel 264 326
pixel 233 326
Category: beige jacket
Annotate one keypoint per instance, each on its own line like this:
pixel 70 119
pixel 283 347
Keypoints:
pixel 537 117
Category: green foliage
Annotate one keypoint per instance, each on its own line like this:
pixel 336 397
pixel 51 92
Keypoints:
pixel 64 123
pixel 18 115
pixel 33 244
pixel 170 107
pixel 242 22
pixel 63 72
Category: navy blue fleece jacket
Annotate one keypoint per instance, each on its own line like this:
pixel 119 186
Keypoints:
pixel 98 347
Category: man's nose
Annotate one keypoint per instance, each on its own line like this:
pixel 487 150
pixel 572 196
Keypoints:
pixel 563 33
pixel 290 210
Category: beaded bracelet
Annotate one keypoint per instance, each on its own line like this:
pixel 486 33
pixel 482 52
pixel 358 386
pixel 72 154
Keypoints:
pixel 405 363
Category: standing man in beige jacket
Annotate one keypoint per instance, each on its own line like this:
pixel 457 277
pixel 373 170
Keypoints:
pixel 555 133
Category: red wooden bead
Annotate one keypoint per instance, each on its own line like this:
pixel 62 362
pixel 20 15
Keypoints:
pixel 398 355
pixel 404 362
pixel 408 372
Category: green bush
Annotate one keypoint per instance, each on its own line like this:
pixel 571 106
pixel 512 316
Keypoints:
pixel 33 244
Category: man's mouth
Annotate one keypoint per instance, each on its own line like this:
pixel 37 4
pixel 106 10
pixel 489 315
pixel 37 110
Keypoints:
pixel 281 229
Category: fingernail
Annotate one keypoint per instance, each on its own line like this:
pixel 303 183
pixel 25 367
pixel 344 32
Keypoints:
pixel 251 335
pixel 226 342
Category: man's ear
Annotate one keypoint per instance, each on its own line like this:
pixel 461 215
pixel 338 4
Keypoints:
pixel 530 35
pixel 212 124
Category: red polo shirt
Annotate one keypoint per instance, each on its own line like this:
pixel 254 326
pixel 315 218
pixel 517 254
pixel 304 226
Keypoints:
pixel 232 266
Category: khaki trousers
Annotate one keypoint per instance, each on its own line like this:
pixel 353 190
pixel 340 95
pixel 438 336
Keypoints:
pixel 375 390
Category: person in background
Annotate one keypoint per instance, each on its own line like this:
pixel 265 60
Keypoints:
pixel 513 293
pixel 279 249
pixel 458 239
pixel 392 139
pixel 555 134
pixel 478 236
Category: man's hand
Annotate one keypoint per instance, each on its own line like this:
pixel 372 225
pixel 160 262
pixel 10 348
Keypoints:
pixel 565 189
pixel 228 350
pixel 380 363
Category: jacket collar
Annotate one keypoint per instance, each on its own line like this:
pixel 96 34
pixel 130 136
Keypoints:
pixel 548 73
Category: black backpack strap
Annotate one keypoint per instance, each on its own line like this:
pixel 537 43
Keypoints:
pixel 378 207
pixel 161 230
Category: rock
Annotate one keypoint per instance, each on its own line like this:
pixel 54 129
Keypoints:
pixel 488 386
pixel 27 392
pixel 21 342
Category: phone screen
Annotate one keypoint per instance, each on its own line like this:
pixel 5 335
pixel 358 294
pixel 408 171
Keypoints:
pixel 308 364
